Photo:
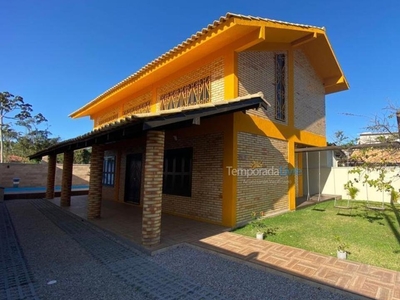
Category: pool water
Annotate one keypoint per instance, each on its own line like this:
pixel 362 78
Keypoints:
pixel 41 189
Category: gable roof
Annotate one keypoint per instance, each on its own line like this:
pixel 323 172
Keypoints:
pixel 334 77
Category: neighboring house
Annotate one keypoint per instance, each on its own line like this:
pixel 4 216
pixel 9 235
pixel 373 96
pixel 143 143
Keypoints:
pixel 209 129
pixel 375 148
pixel 387 156
pixel 376 137
pixel 15 158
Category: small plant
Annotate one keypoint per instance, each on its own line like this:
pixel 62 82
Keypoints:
pixel 352 191
pixel 394 195
pixel 259 225
pixel 341 245
pixel 256 223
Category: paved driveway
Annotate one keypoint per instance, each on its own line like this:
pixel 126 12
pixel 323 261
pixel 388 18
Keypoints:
pixel 48 253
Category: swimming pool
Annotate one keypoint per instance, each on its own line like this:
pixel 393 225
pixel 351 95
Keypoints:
pixel 41 189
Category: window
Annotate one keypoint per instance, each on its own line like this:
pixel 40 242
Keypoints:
pixel 178 172
pixel 280 88
pixel 109 170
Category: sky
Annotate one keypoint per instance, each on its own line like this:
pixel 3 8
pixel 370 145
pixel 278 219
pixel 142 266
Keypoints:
pixel 58 55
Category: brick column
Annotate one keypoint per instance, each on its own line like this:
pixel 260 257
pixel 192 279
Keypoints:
pixel 95 183
pixel 66 182
pixel 153 181
pixel 51 174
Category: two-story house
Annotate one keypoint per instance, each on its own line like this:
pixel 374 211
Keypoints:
pixel 208 130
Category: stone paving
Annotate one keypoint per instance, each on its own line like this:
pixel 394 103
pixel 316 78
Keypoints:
pixel 16 281
pixel 129 265
pixel 133 267
pixel 359 279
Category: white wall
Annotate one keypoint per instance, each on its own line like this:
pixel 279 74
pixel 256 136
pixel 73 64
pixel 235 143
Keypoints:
pixel 333 179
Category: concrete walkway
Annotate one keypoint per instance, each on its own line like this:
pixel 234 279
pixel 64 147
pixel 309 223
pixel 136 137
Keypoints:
pixel 358 278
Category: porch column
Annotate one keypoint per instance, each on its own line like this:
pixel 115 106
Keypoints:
pixel 95 182
pixel 66 182
pixel 153 181
pixel 51 174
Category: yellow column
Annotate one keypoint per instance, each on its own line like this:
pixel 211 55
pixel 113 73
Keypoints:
pixel 230 143
pixel 153 103
pixel 229 195
pixel 291 125
pixel 300 174
pixel 291 177
pixel 230 73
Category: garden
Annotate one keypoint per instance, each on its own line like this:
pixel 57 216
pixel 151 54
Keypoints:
pixel 369 236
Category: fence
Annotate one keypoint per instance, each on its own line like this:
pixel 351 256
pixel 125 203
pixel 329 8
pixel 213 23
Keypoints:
pixel 35 175
pixel 332 180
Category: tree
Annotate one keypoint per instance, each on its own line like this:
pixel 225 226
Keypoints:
pixel 14 112
pixel 34 138
pixel 81 156
pixel 11 108
pixel 342 140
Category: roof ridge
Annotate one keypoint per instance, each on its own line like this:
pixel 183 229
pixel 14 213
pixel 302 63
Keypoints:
pixel 228 15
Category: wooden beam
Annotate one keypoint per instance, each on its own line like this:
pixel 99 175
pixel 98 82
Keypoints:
pixel 305 39
pixel 332 81
pixel 259 36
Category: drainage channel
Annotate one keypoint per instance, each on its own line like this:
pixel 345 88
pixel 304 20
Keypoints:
pixel 129 265
pixel 16 281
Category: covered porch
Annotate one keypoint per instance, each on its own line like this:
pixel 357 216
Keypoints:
pixel 143 223
pixel 126 220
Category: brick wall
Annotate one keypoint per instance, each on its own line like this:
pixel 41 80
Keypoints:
pixel 34 175
pixel 108 193
pixel 80 174
pixel 215 69
pixel 309 96
pixel 207 177
pixel 139 104
pixel 262 192
pixel 256 73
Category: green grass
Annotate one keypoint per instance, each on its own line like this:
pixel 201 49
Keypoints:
pixel 373 236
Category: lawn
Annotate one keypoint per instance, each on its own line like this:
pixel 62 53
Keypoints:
pixel 373 236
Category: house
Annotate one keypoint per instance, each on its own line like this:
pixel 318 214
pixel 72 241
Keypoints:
pixel 376 137
pixel 376 148
pixel 208 130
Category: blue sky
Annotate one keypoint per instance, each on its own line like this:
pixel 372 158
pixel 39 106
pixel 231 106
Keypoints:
pixel 59 55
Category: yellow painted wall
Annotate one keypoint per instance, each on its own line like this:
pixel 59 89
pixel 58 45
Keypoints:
pixel 241 122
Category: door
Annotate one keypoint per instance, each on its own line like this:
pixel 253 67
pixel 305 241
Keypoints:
pixel 133 178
